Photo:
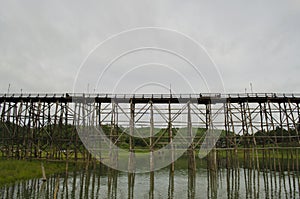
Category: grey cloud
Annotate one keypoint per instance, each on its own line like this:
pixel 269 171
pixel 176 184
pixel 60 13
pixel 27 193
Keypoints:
pixel 42 43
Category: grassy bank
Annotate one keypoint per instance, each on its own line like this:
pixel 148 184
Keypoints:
pixel 15 170
pixel 12 170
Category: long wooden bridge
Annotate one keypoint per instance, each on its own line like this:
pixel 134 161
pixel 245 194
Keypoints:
pixel 44 125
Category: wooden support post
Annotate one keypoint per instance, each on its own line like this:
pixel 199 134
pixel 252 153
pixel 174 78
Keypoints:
pixel 38 130
pixel 44 130
pixel 191 149
pixel 43 172
pixel 191 156
pixel 170 131
pixel 99 124
pixel 131 161
pixel 60 131
pixel 14 130
pixel 227 135
pixel 151 192
pixel 212 156
pixel 84 122
pixel 113 153
pixel 245 136
pixel 76 123
pixel 19 123
pixel 67 143
pixel 29 133
pixel 2 125
pixel 235 155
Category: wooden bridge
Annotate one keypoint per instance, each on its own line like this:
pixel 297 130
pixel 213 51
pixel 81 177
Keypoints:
pixel 44 125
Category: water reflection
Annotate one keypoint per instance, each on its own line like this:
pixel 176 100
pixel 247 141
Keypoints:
pixel 101 182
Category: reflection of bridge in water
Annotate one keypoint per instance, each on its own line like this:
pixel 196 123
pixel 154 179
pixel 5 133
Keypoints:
pixel 258 131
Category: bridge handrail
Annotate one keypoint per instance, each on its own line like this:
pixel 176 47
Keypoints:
pixel 154 96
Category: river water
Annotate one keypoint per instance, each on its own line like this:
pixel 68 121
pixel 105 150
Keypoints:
pixel 102 182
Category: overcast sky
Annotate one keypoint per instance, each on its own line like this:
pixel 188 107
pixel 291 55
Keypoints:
pixel 146 46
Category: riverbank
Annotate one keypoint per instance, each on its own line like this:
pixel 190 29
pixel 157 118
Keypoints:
pixel 16 170
pixel 286 159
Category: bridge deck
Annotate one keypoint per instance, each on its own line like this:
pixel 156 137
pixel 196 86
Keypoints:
pixel 202 98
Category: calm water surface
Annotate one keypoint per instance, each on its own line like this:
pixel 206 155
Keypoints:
pixel 105 183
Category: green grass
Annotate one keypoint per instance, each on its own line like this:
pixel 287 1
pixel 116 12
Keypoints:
pixel 15 170
pixel 279 153
pixel 12 170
